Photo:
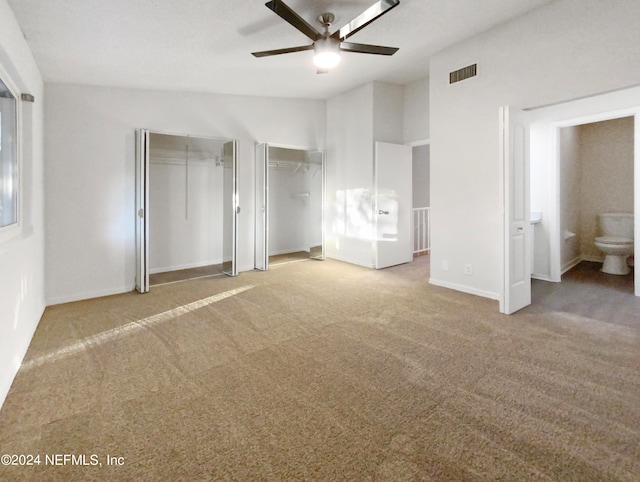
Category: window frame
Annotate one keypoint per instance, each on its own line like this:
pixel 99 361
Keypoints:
pixel 12 230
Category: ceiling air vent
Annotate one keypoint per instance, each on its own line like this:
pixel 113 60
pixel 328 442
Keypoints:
pixel 463 73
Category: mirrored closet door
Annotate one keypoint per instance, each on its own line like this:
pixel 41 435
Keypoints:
pixel 290 185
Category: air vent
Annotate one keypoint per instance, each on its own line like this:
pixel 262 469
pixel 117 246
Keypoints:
pixel 463 73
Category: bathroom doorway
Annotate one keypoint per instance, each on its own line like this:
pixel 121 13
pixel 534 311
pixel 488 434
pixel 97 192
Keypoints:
pixel 584 162
pixel 596 177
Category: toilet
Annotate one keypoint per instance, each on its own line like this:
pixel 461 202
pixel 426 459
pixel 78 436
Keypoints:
pixel 616 241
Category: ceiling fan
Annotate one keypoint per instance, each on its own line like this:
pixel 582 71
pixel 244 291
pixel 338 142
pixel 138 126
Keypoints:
pixel 327 46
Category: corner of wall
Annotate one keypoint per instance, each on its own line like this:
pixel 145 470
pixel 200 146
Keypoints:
pixel 22 256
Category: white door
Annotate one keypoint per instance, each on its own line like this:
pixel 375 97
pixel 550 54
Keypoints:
pixel 315 224
pixel 262 208
pixel 514 131
pixel 392 207
pixel 142 210
pixel 231 209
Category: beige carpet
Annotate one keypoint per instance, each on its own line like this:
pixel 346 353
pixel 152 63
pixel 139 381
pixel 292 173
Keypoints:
pixel 323 371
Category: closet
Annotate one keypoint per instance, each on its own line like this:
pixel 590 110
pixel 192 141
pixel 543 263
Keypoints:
pixel 290 185
pixel 186 208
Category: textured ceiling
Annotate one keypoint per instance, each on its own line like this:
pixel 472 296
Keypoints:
pixel 206 45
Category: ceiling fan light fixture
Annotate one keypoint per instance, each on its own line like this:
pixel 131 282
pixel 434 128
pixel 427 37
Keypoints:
pixel 327 53
pixel 327 45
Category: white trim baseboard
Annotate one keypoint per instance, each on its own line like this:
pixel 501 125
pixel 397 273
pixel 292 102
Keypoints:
pixel 543 278
pixel 6 379
pixel 593 259
pixel 350 261
pixel 287 251
pixel 185 266
pixel 465 289
pixel 571 264
pixel 57 300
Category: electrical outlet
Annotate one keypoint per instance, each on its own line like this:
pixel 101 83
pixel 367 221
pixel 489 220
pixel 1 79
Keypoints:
pixel 445 265
pixel 468 270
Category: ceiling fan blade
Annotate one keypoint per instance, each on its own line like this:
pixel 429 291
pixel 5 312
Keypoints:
pixel 285 12
pixel 267 53
pixel 321 71
pixel 367 49
pixel 365 18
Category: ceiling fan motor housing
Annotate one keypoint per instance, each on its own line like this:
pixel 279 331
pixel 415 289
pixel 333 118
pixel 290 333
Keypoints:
pixel 326 19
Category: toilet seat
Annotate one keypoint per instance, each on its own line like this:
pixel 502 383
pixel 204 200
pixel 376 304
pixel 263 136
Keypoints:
pixel 614 240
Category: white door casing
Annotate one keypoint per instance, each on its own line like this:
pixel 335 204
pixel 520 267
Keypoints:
pixel 514 153
pixel 231 209
pixel 262 207
pixel 142 210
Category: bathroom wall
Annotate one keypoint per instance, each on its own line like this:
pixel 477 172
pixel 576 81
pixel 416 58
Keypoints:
pixel 596 176
pixel 606 153
pixel 570 196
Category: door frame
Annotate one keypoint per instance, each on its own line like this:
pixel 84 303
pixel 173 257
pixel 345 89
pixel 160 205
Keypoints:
pixel 412 144
pixel 261 249
pixel 231 265
pixel 142 238
pixel 265 214
pixel 547 119
pixel 556 237
pixel 142 143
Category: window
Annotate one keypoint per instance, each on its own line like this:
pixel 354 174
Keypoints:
pixel 8 157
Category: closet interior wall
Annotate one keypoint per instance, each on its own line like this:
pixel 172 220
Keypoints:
pixel 186 202
pixel 295 221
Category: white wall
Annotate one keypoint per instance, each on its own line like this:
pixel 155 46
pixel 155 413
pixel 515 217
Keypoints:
pixel 421 172
pixel 564 50
pixel 90 171
pixel 355 120
pixel 288 212
pixel 350 174
pixel 570 196
pixel 22 251
pixel 416 111
pixel 388 115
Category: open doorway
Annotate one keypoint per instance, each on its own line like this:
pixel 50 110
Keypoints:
pixel 421 205
pixel 584 165
pixel 595 189
pixel 594 168
pixel 596 180
pixel 289 223
pixel 186 206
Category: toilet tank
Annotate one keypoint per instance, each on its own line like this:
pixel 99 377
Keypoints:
pixel 617 224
